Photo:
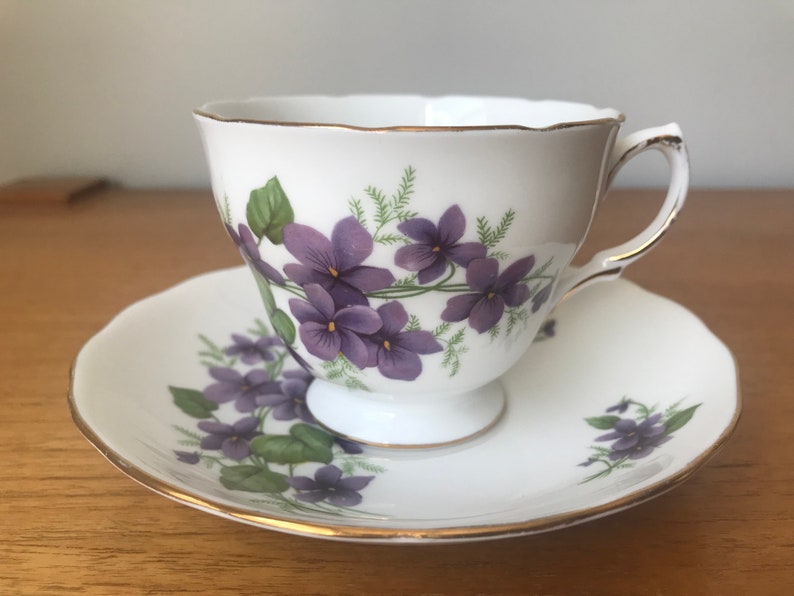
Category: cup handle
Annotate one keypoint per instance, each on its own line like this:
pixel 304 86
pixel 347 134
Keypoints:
pixel 608 264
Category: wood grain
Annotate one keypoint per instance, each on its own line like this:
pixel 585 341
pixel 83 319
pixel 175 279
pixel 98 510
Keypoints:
pixel 71 524
pixel 50 190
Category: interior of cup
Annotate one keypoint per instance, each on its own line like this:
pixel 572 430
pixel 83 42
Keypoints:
pixel 408 111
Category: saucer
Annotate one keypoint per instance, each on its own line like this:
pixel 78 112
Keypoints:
pixel 623 396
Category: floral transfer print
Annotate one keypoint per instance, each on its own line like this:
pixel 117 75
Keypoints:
pixel 327 331
pixel 253 425
pixel 395 351
pixel 634 437
pixel 492 292
pixel 335 264
pixel 249 249
pixel 329 485
pixel 435 246
pixel 354 316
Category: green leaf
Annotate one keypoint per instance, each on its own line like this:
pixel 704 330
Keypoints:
pixel 253 479
pixel 279 449
pixel 453 351
pixel 213 351
pixel 441 329
pixel 283 326
pixel 304 444
pixel 602 422
pixel 259 329
pixel 268 211
pixel 484 232
pixel 382 210
pixel 357 209
pixel 406 189
pixel 192 402
pixel 679 419
pixel 192 436
pixel 315 439
pixel 405 281
pixel 227 212
pixel 391 239
pixel 504 226
pixel 266 293
pixel 413 324
pixel 515 316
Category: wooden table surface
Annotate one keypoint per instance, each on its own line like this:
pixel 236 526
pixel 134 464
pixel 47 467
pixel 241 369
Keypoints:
pixel 70 523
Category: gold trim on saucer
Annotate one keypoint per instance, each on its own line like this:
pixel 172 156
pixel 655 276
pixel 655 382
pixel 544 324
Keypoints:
pixel 379 534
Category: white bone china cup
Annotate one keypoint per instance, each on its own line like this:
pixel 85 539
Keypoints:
pixel 408 249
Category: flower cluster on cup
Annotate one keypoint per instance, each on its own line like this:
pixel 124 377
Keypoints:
pixel 335 314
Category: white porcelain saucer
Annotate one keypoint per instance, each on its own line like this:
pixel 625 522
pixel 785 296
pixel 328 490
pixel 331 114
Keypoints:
pixel 624 398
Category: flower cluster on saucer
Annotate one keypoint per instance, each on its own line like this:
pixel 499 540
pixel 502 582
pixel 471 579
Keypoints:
pixel 253 425
pixel 334 284
pixel 635 437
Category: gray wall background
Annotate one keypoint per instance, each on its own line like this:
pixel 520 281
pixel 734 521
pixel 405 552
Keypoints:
pixel 105 87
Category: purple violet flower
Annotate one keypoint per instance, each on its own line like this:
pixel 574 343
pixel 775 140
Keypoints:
pixel 290 402
pixel 252 351
pixel 492 292
pixel 232 439
pixel 328 485
pixel 621 406
pixel 436 244
pixel 243 390
pixel 188 457
pixel 394 351
pixel 540 297
pixel 327 332
pixel 635 441
pixel 246 242
pixel 348 446
pixel 335 264
pixel 549 328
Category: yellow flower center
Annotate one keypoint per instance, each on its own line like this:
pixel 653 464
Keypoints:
pixel 333 272
pixel 491 295
pixel 387 345
pixel 436 249
pixel 331 327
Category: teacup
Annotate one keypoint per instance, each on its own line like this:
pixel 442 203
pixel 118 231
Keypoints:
pixel 409 249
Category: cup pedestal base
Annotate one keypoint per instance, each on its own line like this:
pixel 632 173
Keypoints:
pixel 405 421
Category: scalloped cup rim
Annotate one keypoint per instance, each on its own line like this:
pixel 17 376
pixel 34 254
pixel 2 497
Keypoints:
pixel 218 110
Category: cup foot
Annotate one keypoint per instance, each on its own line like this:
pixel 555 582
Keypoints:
pixel 405 421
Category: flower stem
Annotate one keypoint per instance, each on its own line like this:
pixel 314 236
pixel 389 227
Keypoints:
pixel 408 291
pixel 533 277
pixel 296 290
pixel 262 415
pixel 606 471
pixel 204 457
pixel 274 369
